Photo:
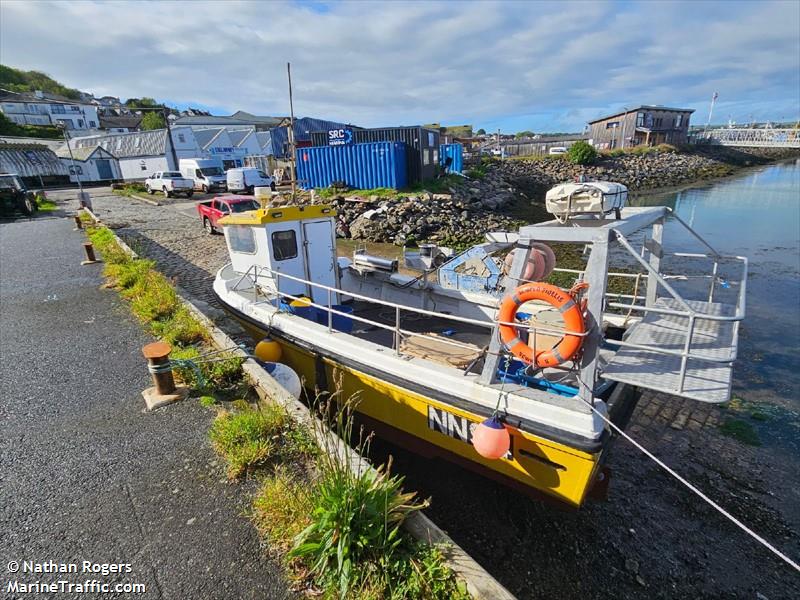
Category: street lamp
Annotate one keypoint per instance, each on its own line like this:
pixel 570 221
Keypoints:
pixel 63 127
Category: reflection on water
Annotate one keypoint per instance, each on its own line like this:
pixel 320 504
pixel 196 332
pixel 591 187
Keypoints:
pixel 758 216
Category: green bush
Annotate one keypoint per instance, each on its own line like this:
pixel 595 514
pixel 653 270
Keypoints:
pixel 356 520
pixel 581 153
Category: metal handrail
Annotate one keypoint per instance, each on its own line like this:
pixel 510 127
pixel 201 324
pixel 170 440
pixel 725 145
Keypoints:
pixel 422 311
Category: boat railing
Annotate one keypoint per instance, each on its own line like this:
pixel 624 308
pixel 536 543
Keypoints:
pixel 708 335
pixel 256 271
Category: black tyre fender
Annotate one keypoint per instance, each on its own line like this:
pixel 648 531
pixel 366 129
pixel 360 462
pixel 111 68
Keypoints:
pixel 150 190
pixel 208 226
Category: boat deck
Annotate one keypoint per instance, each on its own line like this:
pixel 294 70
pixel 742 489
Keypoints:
pixel 431 338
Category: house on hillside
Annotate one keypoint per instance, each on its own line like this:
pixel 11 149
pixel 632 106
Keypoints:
pixel 90 164
pixel 42 108
pixel 645 124
pixel 120 123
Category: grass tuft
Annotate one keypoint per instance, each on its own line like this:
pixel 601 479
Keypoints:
pixel 248 437
pixel 181 329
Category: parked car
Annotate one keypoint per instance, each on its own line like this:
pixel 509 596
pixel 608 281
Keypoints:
pixel 170 183
pixel 14 196
pixel 206 173
pixel 247 179
pixel 557 150
pixel 213 210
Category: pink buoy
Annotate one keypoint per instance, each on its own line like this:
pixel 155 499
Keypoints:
pixel 533 268
pixel 549 258
pixel 491 439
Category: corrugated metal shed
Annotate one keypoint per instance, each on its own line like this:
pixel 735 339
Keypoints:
pixel 303 127
pixel 360 166
pixel 47 143
pixel 422 161
pixel 30 160
pixel 127 145
pixel 456 153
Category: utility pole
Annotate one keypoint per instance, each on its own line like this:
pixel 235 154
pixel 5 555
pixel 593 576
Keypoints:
pixel 711 111
pixel 291 134
pixel 165 112
pixel 63 128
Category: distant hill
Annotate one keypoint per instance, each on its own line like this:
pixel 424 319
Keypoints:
pixel 16 80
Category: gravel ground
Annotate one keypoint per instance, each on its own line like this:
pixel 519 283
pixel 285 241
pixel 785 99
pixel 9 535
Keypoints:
pixel 86 474
pixel 651 539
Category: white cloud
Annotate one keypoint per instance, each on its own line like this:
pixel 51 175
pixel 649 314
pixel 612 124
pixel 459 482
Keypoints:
pixel 389 63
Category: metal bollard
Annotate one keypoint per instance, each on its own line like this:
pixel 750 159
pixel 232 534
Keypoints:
pixel 88 249
pixel 78 222
pixel 157 355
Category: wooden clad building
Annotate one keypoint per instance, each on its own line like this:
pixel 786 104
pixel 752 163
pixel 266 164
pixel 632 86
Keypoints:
pixel 650 125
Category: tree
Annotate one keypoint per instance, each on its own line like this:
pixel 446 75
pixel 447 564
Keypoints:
pixel 524 134
pixel 30 81
pixel 153 120
pixel 581 153
pixel 144 102
pixel 481 131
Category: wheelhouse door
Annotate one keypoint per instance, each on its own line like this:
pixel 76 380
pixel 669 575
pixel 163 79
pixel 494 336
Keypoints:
pixel 321 258
pixel 287 256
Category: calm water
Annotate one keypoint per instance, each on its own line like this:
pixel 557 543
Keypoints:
pixel 756 215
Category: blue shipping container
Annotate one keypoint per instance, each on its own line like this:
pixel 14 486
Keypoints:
pixel 454 151
pixel 360 166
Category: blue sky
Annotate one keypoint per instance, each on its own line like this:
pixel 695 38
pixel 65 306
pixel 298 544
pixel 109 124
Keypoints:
pixel 543 66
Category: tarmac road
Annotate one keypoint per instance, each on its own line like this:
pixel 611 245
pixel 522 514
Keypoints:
pixel 85 474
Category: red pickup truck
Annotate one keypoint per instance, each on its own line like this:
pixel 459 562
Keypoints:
pixel 213 210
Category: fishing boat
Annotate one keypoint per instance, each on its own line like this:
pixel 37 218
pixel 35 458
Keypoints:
pixel 496 358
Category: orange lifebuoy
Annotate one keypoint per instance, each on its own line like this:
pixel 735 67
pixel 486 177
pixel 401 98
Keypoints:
pixel 570 311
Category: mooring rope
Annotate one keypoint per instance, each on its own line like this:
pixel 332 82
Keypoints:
pixel 194 363
pixel 694 489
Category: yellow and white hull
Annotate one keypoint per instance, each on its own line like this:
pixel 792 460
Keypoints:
pixel 436 425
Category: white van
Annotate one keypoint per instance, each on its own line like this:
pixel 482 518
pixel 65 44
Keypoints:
pixel 558 150
pixel 247 179
pixel 206 173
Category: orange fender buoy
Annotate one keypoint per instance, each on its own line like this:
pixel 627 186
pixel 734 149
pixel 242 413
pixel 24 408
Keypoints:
pixel 570 311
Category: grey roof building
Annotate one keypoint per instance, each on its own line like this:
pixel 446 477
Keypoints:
pixel 127 145
pixel 645 124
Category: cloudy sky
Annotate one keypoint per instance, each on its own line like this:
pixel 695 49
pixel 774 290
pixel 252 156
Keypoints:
pixel 511 65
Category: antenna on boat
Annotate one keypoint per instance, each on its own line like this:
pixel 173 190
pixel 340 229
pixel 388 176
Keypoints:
pixel 292 144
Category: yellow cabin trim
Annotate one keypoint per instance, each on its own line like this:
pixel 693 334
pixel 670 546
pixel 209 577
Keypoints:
pixel 278 214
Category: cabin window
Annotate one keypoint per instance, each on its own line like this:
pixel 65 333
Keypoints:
pixel 284 244
pixel 241 239
pixel 640 119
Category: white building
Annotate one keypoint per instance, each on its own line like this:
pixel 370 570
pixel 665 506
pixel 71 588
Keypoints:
pixel 40 108
pixel 141 153
pixel 90 164
pixel 230 144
